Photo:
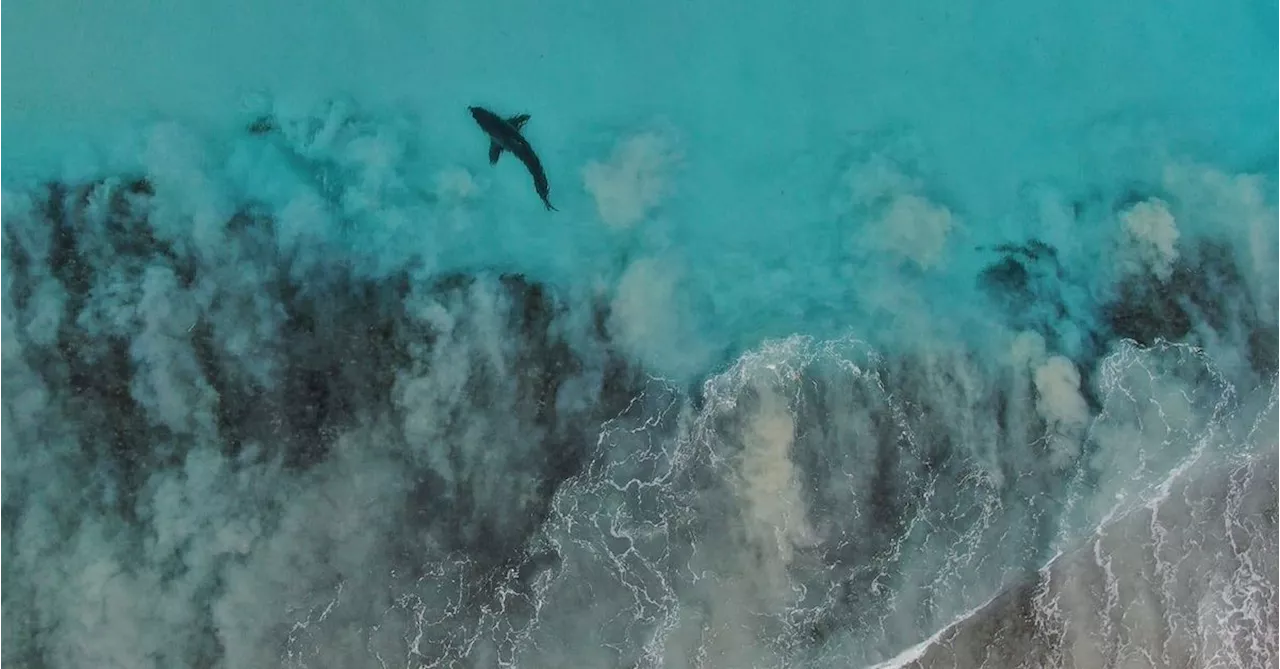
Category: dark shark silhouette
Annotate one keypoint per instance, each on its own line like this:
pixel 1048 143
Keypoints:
pixel 504 135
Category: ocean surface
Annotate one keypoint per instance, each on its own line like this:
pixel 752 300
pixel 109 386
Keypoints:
pixel 865 334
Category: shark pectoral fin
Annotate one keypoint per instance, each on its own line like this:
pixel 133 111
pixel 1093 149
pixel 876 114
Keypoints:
pixel 518 120
pixel 494 151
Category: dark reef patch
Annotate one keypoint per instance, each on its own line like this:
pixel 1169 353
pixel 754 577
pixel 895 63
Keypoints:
pixel 74 239
pixel 1026 282
pixel 1204 296
pixel 521 410
pixel 330 344
pixel 1205 289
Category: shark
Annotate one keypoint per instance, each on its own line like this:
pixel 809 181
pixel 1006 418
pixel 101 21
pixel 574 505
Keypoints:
pixel 504 135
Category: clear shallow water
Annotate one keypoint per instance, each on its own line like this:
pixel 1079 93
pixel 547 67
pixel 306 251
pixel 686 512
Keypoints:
pixel 851 322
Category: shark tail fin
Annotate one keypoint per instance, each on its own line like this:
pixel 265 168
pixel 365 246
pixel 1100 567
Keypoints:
pixel 495 150
pixel 518 120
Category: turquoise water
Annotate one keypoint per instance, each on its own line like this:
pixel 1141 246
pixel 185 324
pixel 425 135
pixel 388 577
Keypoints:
pixel 852 318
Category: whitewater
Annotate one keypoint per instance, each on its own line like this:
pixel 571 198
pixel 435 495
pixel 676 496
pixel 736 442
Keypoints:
pixel 866 334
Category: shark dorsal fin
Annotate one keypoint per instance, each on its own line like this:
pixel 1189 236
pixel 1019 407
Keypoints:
pixel 518 120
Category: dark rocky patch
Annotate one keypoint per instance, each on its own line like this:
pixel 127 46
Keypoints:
pixel 1026 283
pixel 98 369
pixel 519 408
pixel 342 341
pixel 262 125
pixel 1206 288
